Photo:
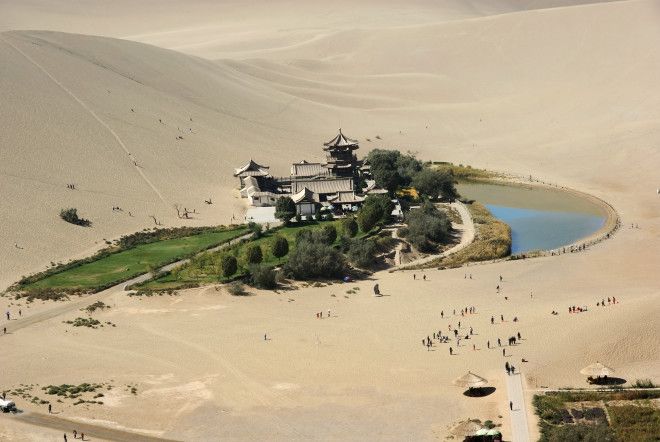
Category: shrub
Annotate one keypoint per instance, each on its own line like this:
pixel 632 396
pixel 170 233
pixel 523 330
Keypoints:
pixel 263 276
pixel 253 254
pixel 280 247
pixel 237 289
pixel 385 244
pixel 98 305
pixel 426 226
pixel 327 234
pixel 362 252
pixel 349 227
pixel 71 216
pixel 285 209
pixel 313 259
pixel 229 265
pixel 256 230
pixel 368 217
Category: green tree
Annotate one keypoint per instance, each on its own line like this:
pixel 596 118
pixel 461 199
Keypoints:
pixel 327 234
pixel 433 183
pixel 349 226
pixel 280 247
pixel 285 209
pixel 253 254
pixel 229 265
pixel 391 169
pixel 313 259
pixel 368 217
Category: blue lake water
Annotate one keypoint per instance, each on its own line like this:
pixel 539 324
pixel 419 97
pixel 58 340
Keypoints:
pixel 543 229
pixel 540 218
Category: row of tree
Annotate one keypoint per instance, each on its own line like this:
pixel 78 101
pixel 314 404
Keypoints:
pixel 393 171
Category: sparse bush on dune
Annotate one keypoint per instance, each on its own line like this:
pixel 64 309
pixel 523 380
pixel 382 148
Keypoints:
pixel 70 215
pixel 263 276
pixel 237 289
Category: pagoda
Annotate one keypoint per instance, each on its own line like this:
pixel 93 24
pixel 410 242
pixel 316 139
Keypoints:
pixel 340 159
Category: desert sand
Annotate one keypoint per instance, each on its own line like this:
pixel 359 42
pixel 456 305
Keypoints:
pixel 564 91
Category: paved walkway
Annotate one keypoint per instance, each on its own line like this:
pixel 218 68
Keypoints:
pixel 467 237
pixel 519 426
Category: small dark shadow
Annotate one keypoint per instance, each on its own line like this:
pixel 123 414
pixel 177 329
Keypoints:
pixel 479 392
pixel 607 381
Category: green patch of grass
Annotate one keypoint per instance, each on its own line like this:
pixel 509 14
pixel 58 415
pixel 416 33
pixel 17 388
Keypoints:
pixel 465 173
pixel 112 267
pixel 206 268
pixel 634 422
pixel 632 416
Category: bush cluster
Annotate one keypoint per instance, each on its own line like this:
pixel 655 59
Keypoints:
pixel 314 257
pixel 427 226
pixel 70 215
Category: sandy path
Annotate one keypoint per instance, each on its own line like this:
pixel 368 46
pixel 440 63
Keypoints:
pixel 93 431
pixel 467 237
pixel 95 116
pixel 519 426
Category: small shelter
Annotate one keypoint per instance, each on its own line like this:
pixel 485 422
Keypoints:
pixel 598 370
pixel 470 380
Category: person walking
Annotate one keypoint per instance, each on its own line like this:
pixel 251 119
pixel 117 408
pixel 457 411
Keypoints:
pixel 8 315
pixel 265 337
pixel 511 405
pixel 504 352
pixel 488 344
pixel 75 434
pixel 50 409
pixel 82 436
pixel 20 312
pixel 451 351
pixel 65 439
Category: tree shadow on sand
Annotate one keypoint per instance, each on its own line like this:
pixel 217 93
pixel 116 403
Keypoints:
pixel 479 392
pixel 607 381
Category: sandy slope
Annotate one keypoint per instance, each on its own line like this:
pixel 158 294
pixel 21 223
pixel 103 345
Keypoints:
pixel 567 94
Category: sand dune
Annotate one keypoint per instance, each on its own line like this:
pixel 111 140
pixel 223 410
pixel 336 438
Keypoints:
pixel 563 90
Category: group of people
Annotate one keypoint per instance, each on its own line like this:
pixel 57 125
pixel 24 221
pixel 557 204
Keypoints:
pixel 610 301
pixel 71 186
pixel 319 315
pixel 75 436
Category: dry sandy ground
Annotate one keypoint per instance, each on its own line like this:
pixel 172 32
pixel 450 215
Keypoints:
pixel 567 94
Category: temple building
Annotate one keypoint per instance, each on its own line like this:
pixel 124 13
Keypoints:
pixel 329 185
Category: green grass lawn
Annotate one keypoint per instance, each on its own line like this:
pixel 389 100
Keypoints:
pixel 124 265
pixel 205 269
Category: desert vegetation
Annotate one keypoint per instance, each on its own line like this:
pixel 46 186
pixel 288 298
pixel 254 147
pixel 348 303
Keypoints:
pixel 70 215
pixel 598 415
pixel 130 256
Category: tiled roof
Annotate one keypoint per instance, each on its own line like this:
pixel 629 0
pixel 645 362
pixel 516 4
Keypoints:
pixel 323 186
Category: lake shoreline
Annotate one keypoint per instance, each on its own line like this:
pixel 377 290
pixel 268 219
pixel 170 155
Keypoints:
pixel 611 221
